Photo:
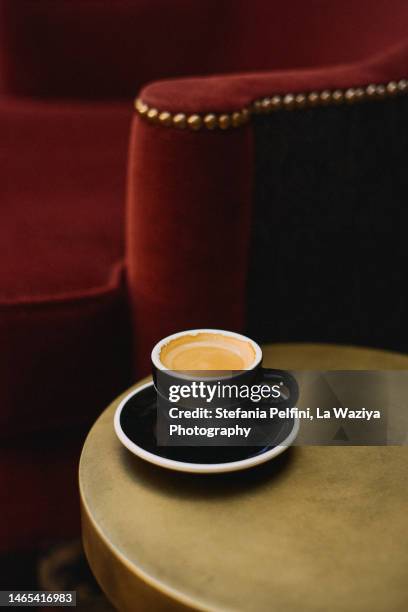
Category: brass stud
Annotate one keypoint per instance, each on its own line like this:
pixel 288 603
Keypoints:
pixel 224 121
pixel 257 106
pixel 402 85
pixel 371 91
pixel 380 91
pixel 141 107
pixel 194 122
pixel 210 121
pixel 359 94
pixel 350 95
pixel 152 115
pixel 300 100
pixel 338 96
pixel 165 118
pixel 325 97
pixel 268 104
pixel 276 102
pixel 245 115
pixel 289 101
pixel 313 98
pixel 236 119
pixel 180 121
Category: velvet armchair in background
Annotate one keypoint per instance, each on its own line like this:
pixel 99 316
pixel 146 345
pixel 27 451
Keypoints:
pixel 69 71
pixel 77 298
pixel 288 227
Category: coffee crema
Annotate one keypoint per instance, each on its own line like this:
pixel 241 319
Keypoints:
pixel 206 351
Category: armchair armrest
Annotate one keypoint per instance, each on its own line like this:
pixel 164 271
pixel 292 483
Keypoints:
pixel 188 228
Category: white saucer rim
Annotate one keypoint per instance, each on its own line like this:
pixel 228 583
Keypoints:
pixel 196 468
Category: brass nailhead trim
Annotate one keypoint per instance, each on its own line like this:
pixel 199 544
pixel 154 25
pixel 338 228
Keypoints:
pixel 270 104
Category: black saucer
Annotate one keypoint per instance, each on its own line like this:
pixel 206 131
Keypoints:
pixel 136 421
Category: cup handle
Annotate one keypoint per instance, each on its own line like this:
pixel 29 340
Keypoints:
pixel 289 388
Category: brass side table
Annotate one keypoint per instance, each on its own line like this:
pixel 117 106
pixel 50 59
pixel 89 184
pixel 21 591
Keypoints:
pixel 317 529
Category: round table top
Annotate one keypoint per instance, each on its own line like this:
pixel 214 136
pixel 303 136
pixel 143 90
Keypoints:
pixel 316 529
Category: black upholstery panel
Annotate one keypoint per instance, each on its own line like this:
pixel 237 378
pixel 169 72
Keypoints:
pixel 330 226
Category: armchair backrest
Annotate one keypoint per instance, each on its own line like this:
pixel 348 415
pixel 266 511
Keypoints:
pixel 109 48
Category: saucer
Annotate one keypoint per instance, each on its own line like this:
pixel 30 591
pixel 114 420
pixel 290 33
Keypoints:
pixel 135 426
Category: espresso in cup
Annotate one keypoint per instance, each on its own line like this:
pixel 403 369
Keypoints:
pixel 207 351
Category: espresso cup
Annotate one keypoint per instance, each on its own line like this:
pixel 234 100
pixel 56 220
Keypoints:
pixel 218 356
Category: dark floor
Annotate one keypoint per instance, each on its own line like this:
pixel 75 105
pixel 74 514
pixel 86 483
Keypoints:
pixel 62 567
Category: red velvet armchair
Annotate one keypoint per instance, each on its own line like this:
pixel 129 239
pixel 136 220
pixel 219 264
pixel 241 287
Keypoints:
pixel 68 73
pixel 216 223
pixel 273 201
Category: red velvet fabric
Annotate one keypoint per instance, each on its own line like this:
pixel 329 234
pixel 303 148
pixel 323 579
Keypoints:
pixel 63 312
pixel 64 323
pixel 230 92
pixel 62 197
pixel 100 48
pixel 188 227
